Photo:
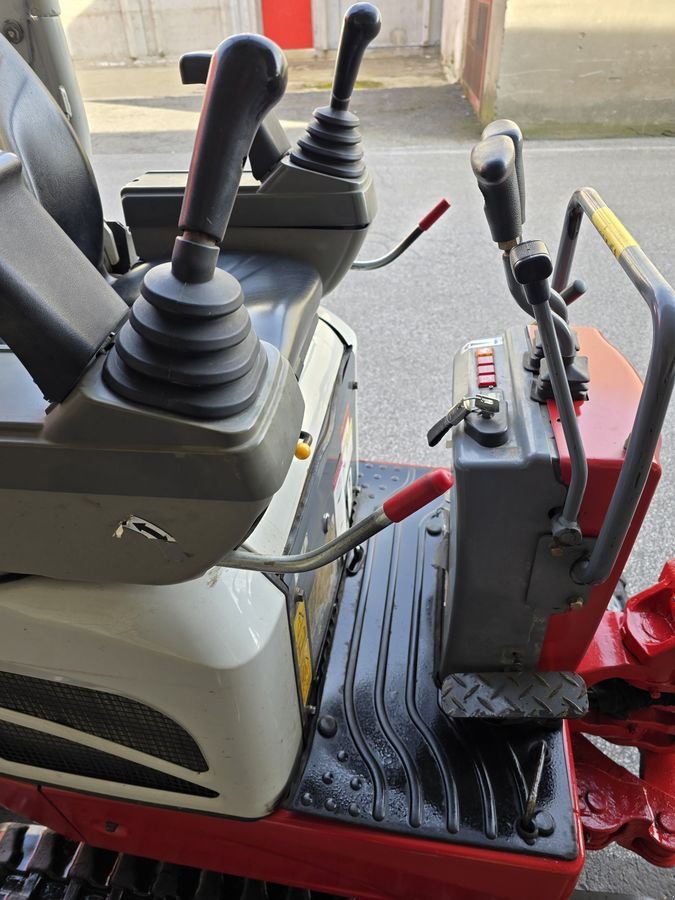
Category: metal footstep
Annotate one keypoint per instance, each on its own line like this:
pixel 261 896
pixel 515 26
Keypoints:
pixel 514 695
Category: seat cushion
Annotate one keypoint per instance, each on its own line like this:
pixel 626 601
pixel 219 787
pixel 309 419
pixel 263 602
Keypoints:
pixel 282 296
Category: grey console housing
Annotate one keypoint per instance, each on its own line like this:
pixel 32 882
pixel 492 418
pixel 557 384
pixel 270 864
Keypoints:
pixel 503 583
pixel 101 490
pixel 320 219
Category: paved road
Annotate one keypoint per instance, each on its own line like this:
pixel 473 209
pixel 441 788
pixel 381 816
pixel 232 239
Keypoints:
pixel 448 289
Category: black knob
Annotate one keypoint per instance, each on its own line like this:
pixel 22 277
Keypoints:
pixel 361 25
pixel 509 128
pixel 493 162
pixel 247 77
pixel 532 267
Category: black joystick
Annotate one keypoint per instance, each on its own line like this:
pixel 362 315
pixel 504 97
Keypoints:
pixel 332 144
pixel 493 161
pixel 188 345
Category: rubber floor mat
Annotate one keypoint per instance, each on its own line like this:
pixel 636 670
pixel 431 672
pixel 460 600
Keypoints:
pixel 382 754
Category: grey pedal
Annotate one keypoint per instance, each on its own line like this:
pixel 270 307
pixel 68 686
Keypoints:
pixel 514 695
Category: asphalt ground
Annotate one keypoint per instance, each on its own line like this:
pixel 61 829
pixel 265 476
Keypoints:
pixel 412 316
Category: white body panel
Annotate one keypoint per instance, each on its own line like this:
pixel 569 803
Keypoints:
pixel 317 381
pixel 213 654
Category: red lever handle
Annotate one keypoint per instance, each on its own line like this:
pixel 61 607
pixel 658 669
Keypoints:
pixel 416 495
pixel 433 215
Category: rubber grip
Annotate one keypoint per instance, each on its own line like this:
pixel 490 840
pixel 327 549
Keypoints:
pixel 493 162
pixel 246 78
pixel 433 215
pixel 360 26
pixel 416 495
pixel 509 128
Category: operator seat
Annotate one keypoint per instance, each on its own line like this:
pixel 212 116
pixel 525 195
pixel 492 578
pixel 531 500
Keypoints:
pixel 282 295
pixel 55 167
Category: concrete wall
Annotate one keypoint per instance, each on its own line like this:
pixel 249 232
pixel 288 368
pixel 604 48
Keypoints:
pixel 453 28
pixel 119 31
pixel 581 66
pixel 405 24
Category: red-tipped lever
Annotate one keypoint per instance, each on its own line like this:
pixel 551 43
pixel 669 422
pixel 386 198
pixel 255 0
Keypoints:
pixel 433 215
pixel 398 507
pixel 423 225
pixel 416 495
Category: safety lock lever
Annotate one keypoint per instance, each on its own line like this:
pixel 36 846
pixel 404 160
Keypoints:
pixel 481 403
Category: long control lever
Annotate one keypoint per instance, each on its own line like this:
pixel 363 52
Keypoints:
pixel 497 162
pixel 332 144
pixel 189 346
pixel 532 268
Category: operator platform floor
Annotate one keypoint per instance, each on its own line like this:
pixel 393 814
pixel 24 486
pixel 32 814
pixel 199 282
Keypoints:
pixel 382 754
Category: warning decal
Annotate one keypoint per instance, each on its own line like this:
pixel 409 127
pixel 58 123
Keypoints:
pixel 302 650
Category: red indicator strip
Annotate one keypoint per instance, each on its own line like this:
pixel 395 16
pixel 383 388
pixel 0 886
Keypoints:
pixel 416 495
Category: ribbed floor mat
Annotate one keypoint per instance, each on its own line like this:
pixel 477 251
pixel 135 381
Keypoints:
pixel 382 754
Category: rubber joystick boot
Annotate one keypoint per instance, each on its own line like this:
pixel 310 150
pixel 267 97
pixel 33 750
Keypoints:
pixel 188 345
pixel 332 143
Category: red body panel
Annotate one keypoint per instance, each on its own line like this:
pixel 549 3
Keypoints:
pixel 605 422
pixel 288 848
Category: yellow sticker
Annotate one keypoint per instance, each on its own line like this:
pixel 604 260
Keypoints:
pixel 612 231
pixel 302 649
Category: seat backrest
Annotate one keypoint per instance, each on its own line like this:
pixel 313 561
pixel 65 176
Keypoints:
pixel 55 167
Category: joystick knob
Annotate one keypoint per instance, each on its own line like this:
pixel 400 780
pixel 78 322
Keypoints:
pixel 493 161
pixel 332 144
pixel 189 345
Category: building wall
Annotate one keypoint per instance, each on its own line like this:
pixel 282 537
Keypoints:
pixel 119 31
pixel 578 67
pixel 609 63
pixel 453 26
pixel 404 23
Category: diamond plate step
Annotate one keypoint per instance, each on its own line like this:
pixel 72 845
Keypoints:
pixel 514 695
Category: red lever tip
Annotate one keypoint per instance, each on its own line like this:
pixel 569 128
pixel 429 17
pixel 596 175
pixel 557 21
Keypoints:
pixel 416 495
pixel 433 215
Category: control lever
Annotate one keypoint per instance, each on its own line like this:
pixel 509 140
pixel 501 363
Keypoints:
pixel 270 143
pixel 532 268
pixel 481 403
pixel 332 144
pixel 189 345
pixel 509 129
pixel 493 161
pixel 423 225
pixel 399 506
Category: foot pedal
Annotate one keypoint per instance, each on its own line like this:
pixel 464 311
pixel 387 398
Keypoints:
pixel 514 695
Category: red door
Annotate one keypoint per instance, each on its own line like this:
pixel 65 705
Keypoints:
pixel 288 23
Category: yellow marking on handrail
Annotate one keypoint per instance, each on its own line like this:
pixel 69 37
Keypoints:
pixel 614 234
